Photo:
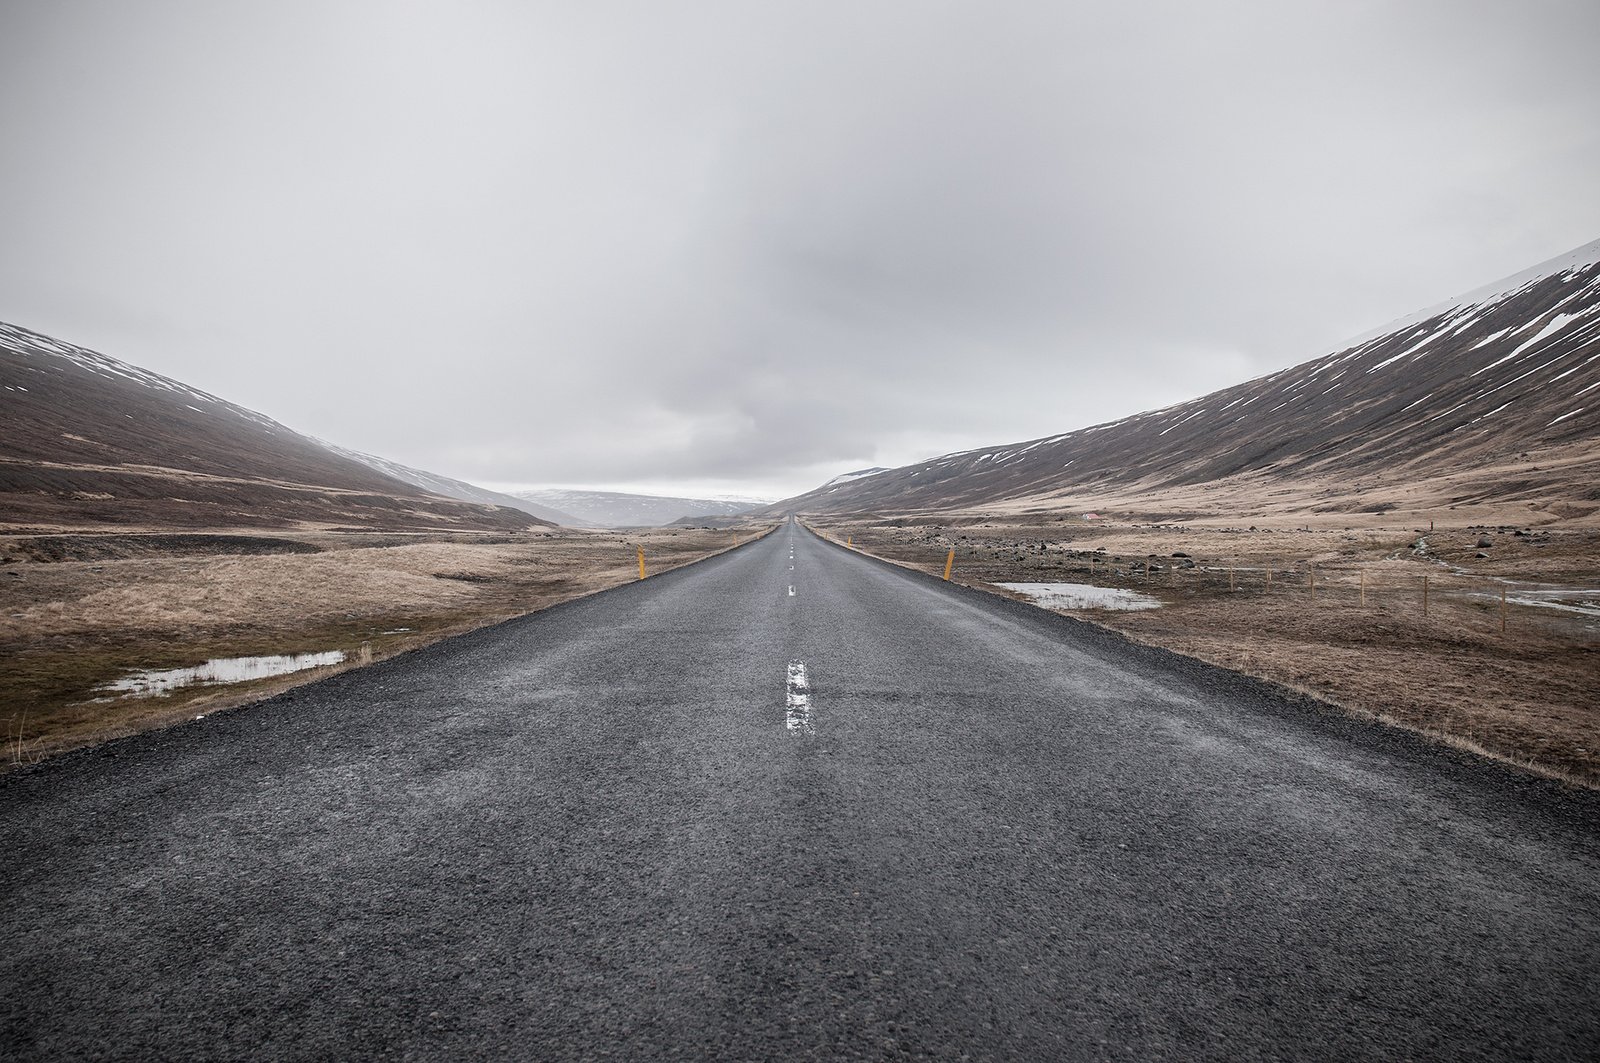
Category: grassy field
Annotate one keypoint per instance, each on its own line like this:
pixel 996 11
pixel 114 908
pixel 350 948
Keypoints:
pixel 1342 616
pixel 78 611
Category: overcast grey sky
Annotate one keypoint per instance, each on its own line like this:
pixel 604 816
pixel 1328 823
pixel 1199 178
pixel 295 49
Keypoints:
pixel 745 246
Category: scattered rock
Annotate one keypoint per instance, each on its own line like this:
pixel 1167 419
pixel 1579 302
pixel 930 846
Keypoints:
pixel 1484 541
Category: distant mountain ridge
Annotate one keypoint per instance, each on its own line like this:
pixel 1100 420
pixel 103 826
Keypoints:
pixel 91 440
pixel 1491 397
pixel 434 483
pixel 616 509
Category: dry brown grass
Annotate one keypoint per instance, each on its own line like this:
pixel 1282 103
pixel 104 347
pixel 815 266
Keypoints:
pixel 1529 695
pixel 68 627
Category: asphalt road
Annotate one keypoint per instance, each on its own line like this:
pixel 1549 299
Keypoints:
pixel 630 827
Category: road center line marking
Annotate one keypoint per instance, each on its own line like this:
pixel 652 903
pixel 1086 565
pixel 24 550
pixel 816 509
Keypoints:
pixel 797 711
pixel 791 591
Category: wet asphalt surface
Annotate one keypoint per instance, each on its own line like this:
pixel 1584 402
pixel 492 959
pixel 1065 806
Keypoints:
pixel 589 834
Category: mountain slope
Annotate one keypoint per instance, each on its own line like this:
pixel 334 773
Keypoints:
pixel 436 484
pixel 859 474
pixel 89 440
pixel 615 509
pixel 1492 397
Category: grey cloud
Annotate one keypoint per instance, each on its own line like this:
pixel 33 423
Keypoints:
pixel 760 243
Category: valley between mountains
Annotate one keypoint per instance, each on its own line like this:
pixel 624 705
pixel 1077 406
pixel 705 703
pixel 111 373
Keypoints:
pixel 1438 477
pixel 800 532
pixel 1263 726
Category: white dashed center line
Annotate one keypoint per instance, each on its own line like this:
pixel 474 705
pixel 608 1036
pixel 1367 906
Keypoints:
pixel 791 592
pixel 797 715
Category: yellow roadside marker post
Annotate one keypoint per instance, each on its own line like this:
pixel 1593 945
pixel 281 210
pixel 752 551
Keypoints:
pixel 641 562
pixel 949 561
pixel 849 540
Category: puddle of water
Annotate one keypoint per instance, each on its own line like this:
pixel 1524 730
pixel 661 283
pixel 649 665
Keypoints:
pixel 1567 599
pixel 1082 596
pixel 222 670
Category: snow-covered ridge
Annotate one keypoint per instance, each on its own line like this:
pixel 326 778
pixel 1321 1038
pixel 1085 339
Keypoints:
pixel 419 477
pixel 1514 364
pixel 1574 315
pixel 1579 258
pixel 30 343
pixel 857 475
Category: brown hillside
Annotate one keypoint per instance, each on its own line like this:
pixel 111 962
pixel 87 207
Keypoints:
pixel 1495 399
pixel 89 440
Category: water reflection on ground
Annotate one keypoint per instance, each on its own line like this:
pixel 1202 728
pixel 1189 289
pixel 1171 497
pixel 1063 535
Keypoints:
pixel 220 671
pixel 1082 596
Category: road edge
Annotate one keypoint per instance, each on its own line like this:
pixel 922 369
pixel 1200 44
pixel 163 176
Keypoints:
pixel 1347 722
pixel 12 769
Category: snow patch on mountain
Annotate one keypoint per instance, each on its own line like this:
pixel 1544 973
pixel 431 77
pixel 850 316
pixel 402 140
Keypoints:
pixel 859 474
pixel 1483 299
